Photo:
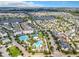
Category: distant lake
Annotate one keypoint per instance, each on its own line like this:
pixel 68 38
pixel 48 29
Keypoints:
pixel 10 20
pixel 43 17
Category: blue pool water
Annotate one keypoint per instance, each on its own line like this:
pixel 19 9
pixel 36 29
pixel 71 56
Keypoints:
pixel 38 43
pixel 24 37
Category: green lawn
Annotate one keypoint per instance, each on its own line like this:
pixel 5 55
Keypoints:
pixel 14 51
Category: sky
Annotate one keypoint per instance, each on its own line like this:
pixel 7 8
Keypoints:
pixel 39 3
pixel 59 3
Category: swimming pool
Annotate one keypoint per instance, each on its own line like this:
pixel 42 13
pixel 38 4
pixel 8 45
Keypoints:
pixel 38 43
pixel 24 37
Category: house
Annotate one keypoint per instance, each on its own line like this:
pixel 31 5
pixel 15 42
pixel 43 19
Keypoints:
pixel 26 28
pixel 17 33
pixel 64 45
pixel 27 31
pixel 3 33
pixel 5 40
pixel 16 29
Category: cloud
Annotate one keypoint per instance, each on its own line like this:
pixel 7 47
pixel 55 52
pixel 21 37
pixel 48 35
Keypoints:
pixel 18 4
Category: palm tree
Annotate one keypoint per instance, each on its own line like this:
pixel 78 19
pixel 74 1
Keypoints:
pixel 33 52
pixel 0 54
pixel 46 52
pixel 51 48
pixel 29 49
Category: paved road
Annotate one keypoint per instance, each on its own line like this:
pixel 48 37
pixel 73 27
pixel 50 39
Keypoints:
pixel 25 53
pixel 56 52
pixel 4 53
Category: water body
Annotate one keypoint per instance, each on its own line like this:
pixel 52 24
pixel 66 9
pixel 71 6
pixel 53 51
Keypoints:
pixel 43 17
pixel 2 21
pixel 23 38
pixel 38 43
